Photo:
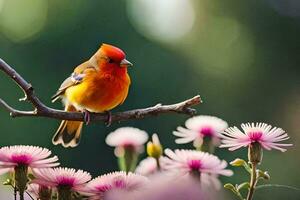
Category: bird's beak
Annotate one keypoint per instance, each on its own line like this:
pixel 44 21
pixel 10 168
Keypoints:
pixel 125 63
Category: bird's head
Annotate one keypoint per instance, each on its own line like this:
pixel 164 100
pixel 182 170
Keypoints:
pixel 109 58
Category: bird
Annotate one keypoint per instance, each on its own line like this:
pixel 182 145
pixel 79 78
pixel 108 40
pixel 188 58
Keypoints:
pixel 96 86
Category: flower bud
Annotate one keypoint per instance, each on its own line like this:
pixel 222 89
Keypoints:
pixel 154 148
pixel 264 175
pixel 255 153
pixel 238 162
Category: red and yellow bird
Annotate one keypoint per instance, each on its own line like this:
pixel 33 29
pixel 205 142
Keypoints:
pixel 97 85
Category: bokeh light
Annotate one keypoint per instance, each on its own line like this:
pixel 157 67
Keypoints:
pixel 222 44
pixel 165 21
pixel 22 20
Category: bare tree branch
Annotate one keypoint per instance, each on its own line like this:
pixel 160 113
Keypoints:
pixel 41 110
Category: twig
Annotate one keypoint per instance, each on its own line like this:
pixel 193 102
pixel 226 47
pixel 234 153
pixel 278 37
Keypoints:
pixel 41 110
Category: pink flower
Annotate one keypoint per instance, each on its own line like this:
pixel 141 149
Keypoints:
pixel 100 186
pixel 268 137
pixel 199 127
pixel 127 137
pixel 147 166
pixel 61 177
pixel 163 187
pixel 30 156
pixel 187 161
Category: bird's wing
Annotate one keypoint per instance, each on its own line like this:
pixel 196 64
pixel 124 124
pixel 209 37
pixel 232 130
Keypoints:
pixel 76 78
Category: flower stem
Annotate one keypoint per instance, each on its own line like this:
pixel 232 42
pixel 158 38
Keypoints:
pixel 253 181
pixel 21 196
pixel 158 164
pixel 15 192
pixel 21 179
pixel 64 193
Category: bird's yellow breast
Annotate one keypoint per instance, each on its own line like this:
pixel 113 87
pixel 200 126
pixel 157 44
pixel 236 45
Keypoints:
pixel 99 92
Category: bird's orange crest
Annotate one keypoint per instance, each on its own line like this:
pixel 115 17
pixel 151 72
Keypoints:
pixel 112 52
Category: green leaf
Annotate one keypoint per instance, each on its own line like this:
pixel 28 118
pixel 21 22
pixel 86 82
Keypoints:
pixel 229 186
pixel 237 162
pixel 245 185
pixel 232 188
pixel 241 163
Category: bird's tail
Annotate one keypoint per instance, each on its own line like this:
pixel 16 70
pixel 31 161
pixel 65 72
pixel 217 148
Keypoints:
pixel 69 132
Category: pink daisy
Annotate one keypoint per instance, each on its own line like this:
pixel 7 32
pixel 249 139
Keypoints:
pixel 147 166
pixel 199 127
pixel 268 137
pixel 61 177
pixel 127 137
pixel 29 156
pixel 97 188
pixel 187 161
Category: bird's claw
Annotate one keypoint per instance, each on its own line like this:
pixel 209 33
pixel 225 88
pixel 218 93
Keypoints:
pixel 87 117
pixel 109 118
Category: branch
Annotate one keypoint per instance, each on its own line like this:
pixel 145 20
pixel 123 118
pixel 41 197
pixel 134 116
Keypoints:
pixel 41 110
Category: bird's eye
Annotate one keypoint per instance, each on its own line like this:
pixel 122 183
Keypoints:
pixel 110 60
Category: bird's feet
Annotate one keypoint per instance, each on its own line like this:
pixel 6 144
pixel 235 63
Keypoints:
pixel 109 118
pixel 87 117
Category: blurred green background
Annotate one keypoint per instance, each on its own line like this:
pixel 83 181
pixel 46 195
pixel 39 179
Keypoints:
pixel 242 57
